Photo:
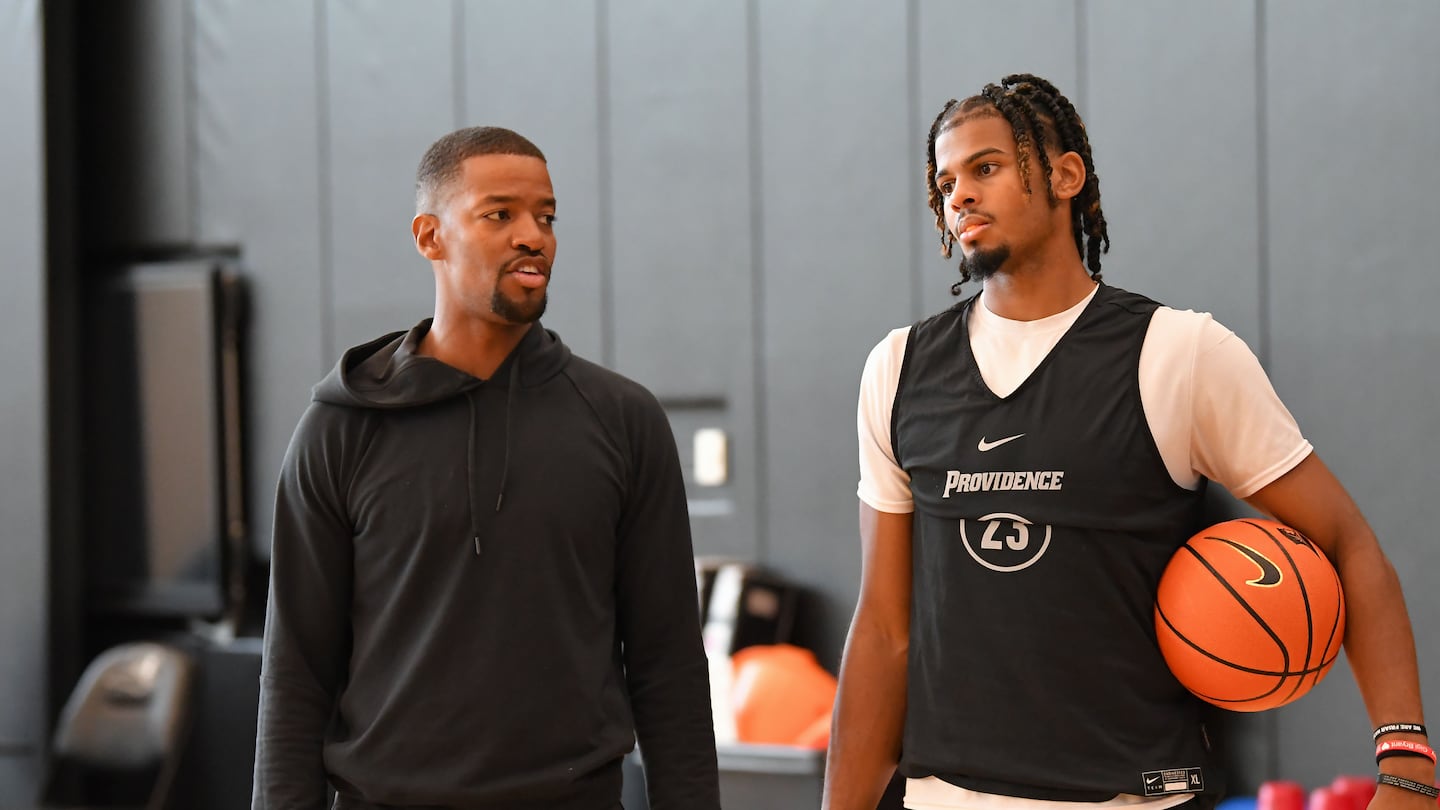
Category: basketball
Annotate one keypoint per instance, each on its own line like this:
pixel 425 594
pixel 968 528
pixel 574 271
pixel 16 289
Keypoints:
pixel 1249 615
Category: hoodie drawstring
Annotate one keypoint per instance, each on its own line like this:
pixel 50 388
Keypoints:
pixel 514 383
pixel 509 406
pixel 470 476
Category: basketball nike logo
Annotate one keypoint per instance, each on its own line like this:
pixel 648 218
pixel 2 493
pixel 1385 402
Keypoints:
pixel 985 446
pixel 1269 572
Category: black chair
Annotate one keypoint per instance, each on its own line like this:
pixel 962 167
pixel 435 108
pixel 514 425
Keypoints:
pixel 120 734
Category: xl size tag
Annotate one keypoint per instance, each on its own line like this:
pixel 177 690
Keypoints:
pixel 1172 780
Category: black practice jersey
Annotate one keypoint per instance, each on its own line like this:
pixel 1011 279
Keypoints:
pixel 1043 521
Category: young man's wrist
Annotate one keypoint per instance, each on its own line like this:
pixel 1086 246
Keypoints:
pixel 1414 768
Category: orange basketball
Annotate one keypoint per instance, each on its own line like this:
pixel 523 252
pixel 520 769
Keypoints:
pixel 1249 614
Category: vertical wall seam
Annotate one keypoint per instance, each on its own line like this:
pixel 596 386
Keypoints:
pixel 1262 191
pixel 1082 57
pixel 325 192
pixel 605 191
pixel 457 60
pixel 192 122
pixel 757 280
pixel 912 78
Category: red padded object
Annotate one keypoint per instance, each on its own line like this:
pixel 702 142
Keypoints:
pixel 1280 795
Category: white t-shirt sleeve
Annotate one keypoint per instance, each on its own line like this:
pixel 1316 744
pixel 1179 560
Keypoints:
pixel 1211 407
pixel 883 485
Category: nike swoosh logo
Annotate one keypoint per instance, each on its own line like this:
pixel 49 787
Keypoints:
pixel 1269 571
pixel 985 446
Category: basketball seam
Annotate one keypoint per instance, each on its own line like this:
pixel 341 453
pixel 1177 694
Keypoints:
pixel 1254 614
pixel 1284 651
pixel 1304 596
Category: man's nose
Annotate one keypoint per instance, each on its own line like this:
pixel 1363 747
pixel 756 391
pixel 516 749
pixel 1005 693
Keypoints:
pixel 527 235
pixel 962 198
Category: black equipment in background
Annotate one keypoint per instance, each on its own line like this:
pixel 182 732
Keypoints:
pixel 120 736
pixel 165 533
pixel 744 605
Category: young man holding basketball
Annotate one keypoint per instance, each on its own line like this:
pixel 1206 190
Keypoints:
pixel 1030 460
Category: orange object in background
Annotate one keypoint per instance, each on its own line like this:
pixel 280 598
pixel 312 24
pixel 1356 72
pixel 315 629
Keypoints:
pixel 781 696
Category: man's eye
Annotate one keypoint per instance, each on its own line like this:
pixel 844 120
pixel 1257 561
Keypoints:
pixel 986 169
pixel 946 188
pixel 548 219
pixel 498 216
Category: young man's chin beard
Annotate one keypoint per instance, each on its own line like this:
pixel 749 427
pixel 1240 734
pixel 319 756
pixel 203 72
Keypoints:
pixel 985 262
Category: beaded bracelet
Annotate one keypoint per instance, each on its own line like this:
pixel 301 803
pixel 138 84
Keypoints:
pixel 1408 784
pixel 1391 728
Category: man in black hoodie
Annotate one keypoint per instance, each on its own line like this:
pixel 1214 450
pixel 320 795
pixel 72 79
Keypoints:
pixel 482 583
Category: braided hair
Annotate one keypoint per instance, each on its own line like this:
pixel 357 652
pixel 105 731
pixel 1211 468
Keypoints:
pixel 1041 118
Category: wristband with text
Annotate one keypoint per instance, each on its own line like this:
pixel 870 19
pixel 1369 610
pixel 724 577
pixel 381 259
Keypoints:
pixel 1392 728
pixel 1408 784
pixel 1391 748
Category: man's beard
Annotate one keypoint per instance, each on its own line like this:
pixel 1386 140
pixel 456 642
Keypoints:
pixel 522 311
pixel 982 264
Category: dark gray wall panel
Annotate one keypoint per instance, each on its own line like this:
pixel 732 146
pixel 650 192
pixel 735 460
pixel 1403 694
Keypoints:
pixel 961 47
pixel 681 202
pixel 1352 251
pixel 681 191
pixel 140 132
pixel 258 187
pixel 835 198
pixel 23 507
pixel 1172 128
pixel 391 92
pixel 558 109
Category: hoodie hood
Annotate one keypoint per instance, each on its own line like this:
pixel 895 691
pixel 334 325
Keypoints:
pixel 389 373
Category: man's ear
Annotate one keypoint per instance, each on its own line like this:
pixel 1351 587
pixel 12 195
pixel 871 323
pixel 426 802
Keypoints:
pixel 426 230
pixel 1067 175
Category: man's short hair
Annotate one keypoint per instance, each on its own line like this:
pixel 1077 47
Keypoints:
pixel 440 166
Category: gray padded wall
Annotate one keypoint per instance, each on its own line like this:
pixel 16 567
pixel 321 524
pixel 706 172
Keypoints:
pixel 258 186
pixel 389 92
pixel 1172 126
pixel 1352 135
pixel 833 208
pixel 680 201
pixel 554 46
pixel 23 468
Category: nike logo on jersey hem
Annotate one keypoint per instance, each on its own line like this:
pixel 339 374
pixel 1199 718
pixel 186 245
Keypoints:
pixel 985 446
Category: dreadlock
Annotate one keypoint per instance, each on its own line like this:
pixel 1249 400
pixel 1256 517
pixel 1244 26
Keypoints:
pixel 1041 119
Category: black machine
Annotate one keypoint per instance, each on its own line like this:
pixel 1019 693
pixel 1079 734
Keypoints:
pixel 165 529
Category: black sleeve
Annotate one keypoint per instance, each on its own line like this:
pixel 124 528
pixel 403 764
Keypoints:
pixel 659 614
pixel 307 620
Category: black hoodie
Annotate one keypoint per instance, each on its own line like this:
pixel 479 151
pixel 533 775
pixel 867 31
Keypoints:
pixel 481 591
